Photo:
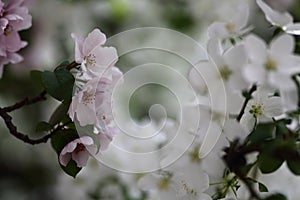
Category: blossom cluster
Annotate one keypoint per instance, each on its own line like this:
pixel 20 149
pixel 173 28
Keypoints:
pixel 91 102
pixel 14 17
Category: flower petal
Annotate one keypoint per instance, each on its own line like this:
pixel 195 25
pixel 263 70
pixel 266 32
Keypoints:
pixel 293 29
pixel 64 159
pixel 81 157
pixel 78 39
pixel 276 18
pixel 273 107
pixel 284 44
pixel 256 48
pixel 94 39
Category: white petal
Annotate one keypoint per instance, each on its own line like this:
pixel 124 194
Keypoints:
pixel 204 196
pixel 289 99
pixel 211 138
pixel 217 30
pixel 214 49
pixel 293 29
pixel 235 57
pixel 281 81
pixel 284 44
pixel 254 73
pixel 240 19
pixel 233 129
pixel 276 18
pixel 273 107
pixel 78 47
pixel 256 48
pixel 147 182
pixel 248 121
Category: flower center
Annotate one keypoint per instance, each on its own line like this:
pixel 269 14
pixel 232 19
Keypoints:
pixel 164 182
pixel 194 155
pixel 80 147
pixel 270 64
pixel 225 73
pixel 230 27
pixel 90 60
pixel 256 110
pixel 8 30
pixel 88 98
pixel 188 189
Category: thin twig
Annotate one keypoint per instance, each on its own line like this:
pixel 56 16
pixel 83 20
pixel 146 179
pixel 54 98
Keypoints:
pixel 26 102
pixel 252 89
pixel 24 137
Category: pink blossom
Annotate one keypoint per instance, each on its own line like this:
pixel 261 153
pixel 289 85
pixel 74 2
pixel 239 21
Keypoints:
pixel 14 17
pixel 90 53
pixel 77 150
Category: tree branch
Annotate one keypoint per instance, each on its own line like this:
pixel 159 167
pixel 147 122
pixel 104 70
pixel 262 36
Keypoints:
pixel 21 136
pixel 25 102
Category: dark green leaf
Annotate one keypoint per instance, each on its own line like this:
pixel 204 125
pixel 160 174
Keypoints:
pixel 43 126
pixel 59 114
pixel 71 168
pixel 269 163
pixel 58 142
pixel 276 197
pixel 262 187
pixel 36 76
pixel 262 132
pixel 59 84
pixel 61 138
pixel 294 165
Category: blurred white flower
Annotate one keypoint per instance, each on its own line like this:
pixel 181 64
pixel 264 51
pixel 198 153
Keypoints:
pixel 283 20
pixel 271 65
pixel 261 108
pixel 233 28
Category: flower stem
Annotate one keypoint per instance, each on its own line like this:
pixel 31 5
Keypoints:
pixel 252 89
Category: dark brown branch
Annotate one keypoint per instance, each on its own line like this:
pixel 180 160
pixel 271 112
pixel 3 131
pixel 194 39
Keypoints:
pixel 252 89
pixel 21 136
pixel 25 102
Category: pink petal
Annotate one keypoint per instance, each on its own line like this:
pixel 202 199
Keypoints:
pixel 64 159
pixel 70 147
pixel 94 39
pixel 81 158
pixel 105 56
pixel 14 58
pixel 78 39
pixel 86 140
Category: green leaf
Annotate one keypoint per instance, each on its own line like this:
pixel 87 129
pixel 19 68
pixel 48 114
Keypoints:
pixel 262 187
pixel 276 197
pixel 36 77
pixel 58 142
pixel 62 138
pixel 269 163
pixel 262 133
pixel 59 84
pixel 43 126
pixel 59 114
pixel 294 165
pixel 71 168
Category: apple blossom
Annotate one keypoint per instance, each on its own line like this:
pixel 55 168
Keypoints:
pixel 261 108
pixel 94 58
pixel 14 17
pixel 77 151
